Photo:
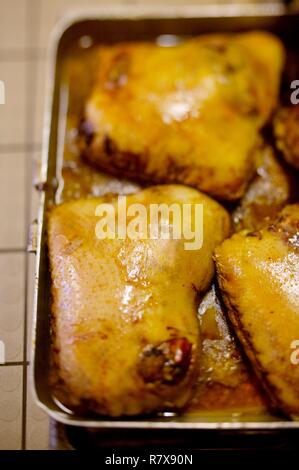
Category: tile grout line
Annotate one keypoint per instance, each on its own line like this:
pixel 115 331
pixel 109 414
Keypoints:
pixel 32 18
pixel 13 364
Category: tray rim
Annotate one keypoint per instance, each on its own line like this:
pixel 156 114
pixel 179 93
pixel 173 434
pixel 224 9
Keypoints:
pixel 119 13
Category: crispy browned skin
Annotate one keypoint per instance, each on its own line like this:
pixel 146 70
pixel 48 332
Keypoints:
pixel 267 194
pixel 286 129
pixel 188 114
pixel 126 336
pixel 258 273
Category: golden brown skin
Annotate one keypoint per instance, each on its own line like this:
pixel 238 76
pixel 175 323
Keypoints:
pixel 258 273
pixel 126 337
pixel 267 194
pixel 286 130
pixel 189 114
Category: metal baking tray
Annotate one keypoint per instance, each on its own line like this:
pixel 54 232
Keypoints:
pixel 108 25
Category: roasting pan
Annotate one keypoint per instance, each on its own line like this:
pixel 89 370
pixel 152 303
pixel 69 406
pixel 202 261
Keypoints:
pixel 108 25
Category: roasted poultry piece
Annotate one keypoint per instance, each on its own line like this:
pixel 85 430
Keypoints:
pixel 189 114
pixel 270 190
pixel 126 338
pixel 286 130
pixel 258 273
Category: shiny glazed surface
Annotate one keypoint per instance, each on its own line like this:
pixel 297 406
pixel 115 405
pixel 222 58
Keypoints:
pixel 258 273
pixel 189 114
pixel 125 329
pixel 269 191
